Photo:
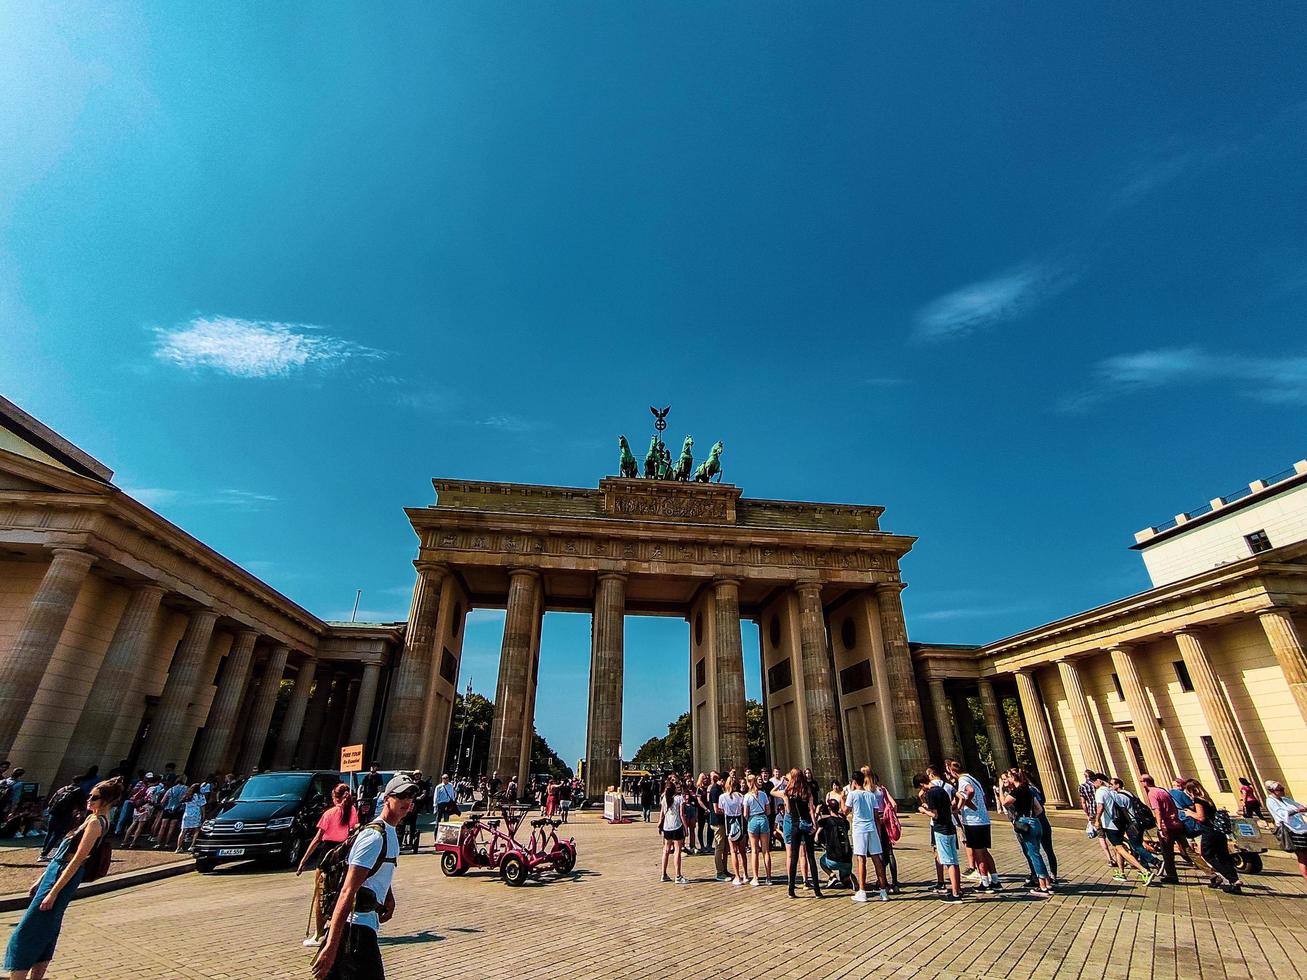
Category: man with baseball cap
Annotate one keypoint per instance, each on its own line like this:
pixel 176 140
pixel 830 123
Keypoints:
pixel 350 951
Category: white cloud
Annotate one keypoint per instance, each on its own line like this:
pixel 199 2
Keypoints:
pixel 1276 380
pixel 509 423
pixel 967 612
pixel 1009 295
pixel 253 348
pixel 234 499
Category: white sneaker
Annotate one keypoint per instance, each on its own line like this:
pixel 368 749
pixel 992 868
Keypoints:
pixel 737 881
pixel 972 875
pixel 682 881
pixel 755 882
pixel 884 895
pixel 860 896
pixel 312 942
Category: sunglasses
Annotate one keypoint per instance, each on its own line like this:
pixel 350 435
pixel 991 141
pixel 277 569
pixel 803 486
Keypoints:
pixel 92 798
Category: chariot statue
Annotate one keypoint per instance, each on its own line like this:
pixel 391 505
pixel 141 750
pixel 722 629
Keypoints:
pixel 710 467
pixel 629 467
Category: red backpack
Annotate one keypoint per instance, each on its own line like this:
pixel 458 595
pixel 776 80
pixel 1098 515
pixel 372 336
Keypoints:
pixel 890 815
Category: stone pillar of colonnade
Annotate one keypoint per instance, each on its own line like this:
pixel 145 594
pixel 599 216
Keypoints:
pixel 1091 751
pixel 340 737
pixel 265 700
pixel 283 753
pixel 314 719
pixel 732 726
pixel 163 744
pixel 1287 645
pixel 604 726
pixel 215 749
pixel 328 743
pixel 408 695
pixel 909 728
pixel 366 704
pixel 1142 714
pixel 995 725
pixel 529 707
pixel 1041 739
pixel 944 726
pixel 819 695
pixel 1216 709
pixel 515 665
pixel 47 615
pixel 119 672
pixel 446 654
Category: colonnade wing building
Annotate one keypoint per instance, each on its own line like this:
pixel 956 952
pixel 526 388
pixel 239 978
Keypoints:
pixel 124 638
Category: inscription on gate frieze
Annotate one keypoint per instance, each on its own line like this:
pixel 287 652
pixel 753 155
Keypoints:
pixel 666 501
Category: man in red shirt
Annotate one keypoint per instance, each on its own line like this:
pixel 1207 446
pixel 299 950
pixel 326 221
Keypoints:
pixel 1170 831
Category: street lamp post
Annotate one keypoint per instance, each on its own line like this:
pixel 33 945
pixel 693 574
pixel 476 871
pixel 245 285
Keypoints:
pixel 462 732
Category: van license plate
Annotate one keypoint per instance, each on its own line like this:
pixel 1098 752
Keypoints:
pixel 231 852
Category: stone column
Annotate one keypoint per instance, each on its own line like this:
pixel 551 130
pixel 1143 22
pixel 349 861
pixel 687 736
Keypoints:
pixel 283 754
pixel 909 728
pixel 408 695
pixel 364 706
pixel 1287 645
pixel 351 702
pixel 995 725
pixel 948 733
pixel 1216 709
pixel 732 727
pixel 169 727
pixel 47 614
pixel 93 740
pixel 265 700
pixel 215 740
pixel 1141 713
pixel 819 695
pixel 1091 752
pixel 328 744
pixel 1041 739
pixel 514 674
pixel 604 736
pixel 314 718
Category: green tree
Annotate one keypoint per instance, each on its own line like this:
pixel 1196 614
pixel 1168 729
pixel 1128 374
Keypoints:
pixel 673 749
pixel 472 722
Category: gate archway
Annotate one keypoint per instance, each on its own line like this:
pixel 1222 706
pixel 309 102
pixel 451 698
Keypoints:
pixel 822 580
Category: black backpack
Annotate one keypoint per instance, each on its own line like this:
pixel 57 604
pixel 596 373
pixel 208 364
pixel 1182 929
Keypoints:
pixel 335 865
pixel 59 802
pixel 839 848
pixel 1141 813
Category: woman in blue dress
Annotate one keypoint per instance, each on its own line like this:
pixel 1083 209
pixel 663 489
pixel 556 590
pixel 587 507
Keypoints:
pixel 31 947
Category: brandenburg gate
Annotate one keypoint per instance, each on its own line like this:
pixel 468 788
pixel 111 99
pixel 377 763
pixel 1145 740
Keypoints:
pixel 821 580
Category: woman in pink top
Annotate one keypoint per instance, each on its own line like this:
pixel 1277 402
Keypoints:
pixel 333 827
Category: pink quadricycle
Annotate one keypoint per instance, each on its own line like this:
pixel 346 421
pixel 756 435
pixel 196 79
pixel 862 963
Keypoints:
pixel 491 842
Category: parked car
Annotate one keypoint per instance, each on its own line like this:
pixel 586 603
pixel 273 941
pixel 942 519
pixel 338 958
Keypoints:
pixel 271 817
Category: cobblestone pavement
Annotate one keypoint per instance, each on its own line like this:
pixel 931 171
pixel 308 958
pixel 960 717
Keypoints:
pixel 19 867
pixel 614 918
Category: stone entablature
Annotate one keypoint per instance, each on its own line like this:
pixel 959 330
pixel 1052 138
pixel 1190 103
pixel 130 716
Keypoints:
pixel 615 529
pixel 715 503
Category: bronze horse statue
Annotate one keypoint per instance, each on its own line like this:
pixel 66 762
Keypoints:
pixel 710 467
pixel 685 465
pixel 629 466
pixel 652 459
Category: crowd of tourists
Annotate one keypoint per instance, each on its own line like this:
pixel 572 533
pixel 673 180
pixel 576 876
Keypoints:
pixel 742 819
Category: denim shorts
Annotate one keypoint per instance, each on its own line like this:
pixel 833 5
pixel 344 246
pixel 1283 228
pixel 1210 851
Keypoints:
pixel 759 825
pixel 787 830
pixel 946 848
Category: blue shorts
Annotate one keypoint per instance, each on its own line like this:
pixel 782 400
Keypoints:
pixel 759 825
pixel 946 849
pixel 787 829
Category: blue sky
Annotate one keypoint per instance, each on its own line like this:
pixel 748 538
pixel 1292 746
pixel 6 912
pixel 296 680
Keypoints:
pixel 1031 279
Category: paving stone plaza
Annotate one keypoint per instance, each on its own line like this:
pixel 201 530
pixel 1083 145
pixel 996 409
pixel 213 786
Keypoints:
pixel 612 917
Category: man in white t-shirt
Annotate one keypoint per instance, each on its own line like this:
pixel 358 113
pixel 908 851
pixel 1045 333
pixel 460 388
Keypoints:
pixel 973 810
pixel 350 951
pixel 860 804
pixel 1108 806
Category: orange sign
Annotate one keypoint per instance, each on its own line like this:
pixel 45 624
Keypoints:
pixel 351 758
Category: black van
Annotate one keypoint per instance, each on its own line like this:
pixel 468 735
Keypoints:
pixel 271 817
